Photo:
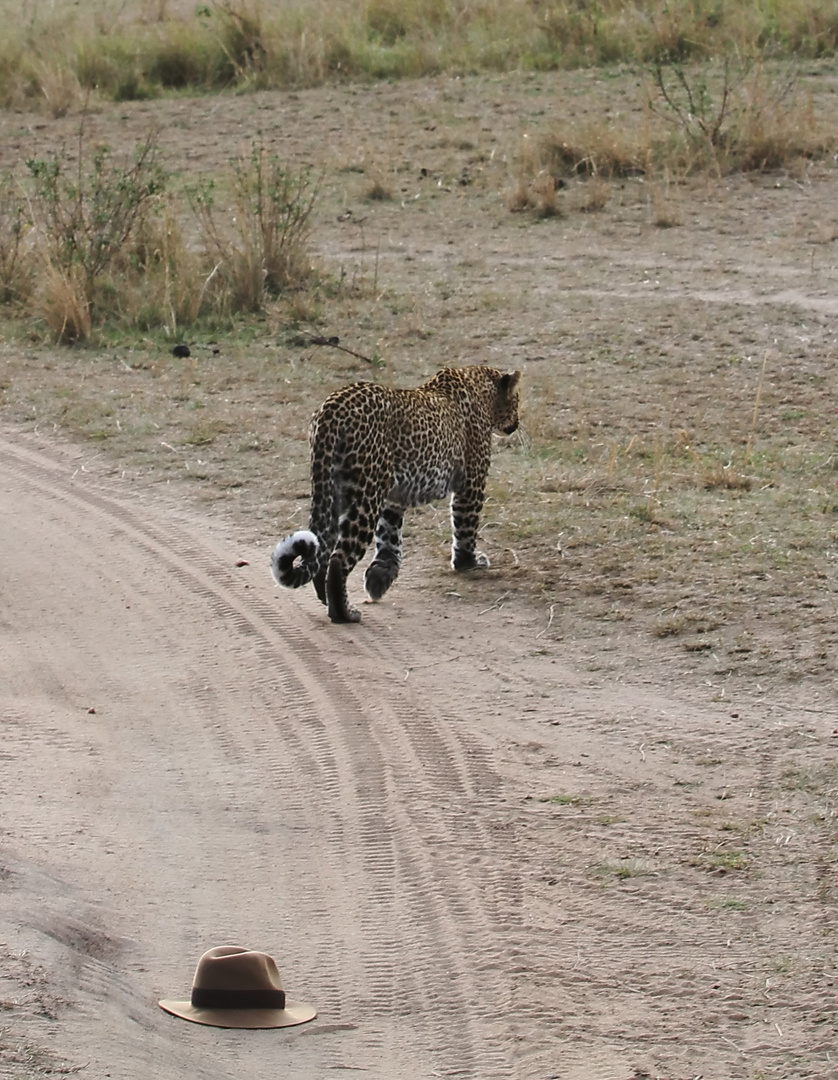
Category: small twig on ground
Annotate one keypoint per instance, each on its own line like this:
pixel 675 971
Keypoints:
pixel 497 604
pixel 435 663
pixel 549 623
pixel 334 343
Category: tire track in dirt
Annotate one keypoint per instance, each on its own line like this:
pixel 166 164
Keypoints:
pixel 648 941
pixel 386 788
pixel 448 916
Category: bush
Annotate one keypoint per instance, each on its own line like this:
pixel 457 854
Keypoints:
pixel 84 219
pixel 267 252
pixel 738 115
pixel 96 241
pixel 14 222
pixel 735 114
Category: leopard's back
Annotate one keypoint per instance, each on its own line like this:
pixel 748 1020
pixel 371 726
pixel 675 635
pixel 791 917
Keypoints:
pixel 375 451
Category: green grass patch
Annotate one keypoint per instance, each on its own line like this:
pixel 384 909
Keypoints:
pixel 722 862
pixel 623 869
pixel 563 799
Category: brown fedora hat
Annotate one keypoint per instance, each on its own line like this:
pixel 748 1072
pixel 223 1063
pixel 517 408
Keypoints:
pixel 239 988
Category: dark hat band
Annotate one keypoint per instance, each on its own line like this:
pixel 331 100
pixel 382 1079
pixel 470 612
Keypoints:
pixel 237 999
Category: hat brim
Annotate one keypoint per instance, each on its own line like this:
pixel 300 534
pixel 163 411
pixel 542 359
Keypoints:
pixel 295 1012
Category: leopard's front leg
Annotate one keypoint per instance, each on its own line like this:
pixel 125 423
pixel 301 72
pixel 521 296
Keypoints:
pixel 465 518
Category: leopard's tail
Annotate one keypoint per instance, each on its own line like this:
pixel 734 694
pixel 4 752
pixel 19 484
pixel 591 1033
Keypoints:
pixel 294 559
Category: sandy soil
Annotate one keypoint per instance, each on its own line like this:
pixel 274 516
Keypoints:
pixel 483 845
pixel 476 860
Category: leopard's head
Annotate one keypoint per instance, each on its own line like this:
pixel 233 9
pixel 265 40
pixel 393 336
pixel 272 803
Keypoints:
pixel 505 418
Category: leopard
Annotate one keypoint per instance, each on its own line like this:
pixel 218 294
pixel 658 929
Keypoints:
pixel 377 451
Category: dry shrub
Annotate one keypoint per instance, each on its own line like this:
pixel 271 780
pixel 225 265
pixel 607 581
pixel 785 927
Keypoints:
pixel 379 190
pixel 267 254
pixel 596 150
pixel 87 215
pixel 108 245
pixel 59 87
pixel 536 189
pixel 274 206
pixel 770 132
pixel 596 195
pixel 539 196
pixel 546 197
pixel 742 114
pixel 518 198
pixel 15 275
pixel 158 281
pixel 63 304
pixel 725 477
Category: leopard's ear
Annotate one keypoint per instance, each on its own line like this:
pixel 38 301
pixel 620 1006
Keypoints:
pixel 509 381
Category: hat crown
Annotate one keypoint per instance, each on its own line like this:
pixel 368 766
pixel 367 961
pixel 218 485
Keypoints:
pixel 239 988
pixel 229 967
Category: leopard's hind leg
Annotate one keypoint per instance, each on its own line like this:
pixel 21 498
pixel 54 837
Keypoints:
pixel 361 506
pixel 384 569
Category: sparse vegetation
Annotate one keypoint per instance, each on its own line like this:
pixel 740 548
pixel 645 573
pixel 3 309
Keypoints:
pixel 379 189
pixel 539 196
pixel 672 478
pixel 735 113
pixel 742 113
pixel 107 244
pixel 721 862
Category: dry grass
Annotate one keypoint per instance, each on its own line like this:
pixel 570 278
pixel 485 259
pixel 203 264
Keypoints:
pixel 379 188
pixel 596 149
pixel 742 114
pixel 688 120
pixel 137 50
pixel 597 192
pixel 666 201
pixel 15 276
pixel 63 303
pixel 539 196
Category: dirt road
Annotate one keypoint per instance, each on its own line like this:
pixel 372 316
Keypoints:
pixel 475 856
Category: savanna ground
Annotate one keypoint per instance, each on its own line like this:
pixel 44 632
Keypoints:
pixel 662 530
